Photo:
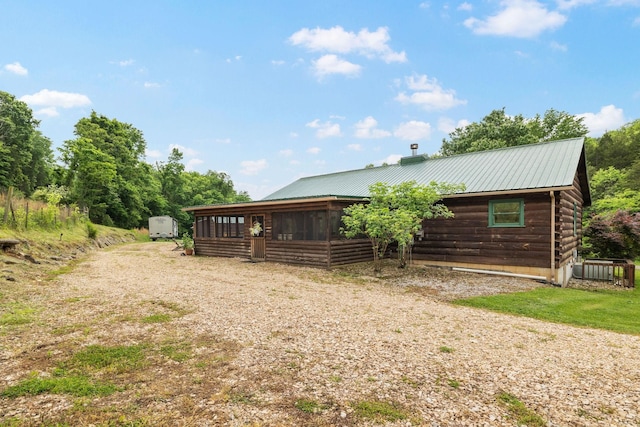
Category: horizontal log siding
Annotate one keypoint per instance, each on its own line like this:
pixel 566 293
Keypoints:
pixel 566 241
pixel 223 247
pixel 350 251
pixel 468 239
pixel 299 252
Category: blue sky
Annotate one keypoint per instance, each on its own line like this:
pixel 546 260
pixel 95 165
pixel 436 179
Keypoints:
pixel 271 91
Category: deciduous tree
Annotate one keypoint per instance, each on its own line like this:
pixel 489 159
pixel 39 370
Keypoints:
pixel 498 130
pixel 395 213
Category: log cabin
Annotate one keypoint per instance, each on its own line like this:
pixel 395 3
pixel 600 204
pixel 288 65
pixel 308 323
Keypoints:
pixel 520 213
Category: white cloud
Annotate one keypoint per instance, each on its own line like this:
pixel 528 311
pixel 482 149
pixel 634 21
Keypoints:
pixel 126 62
pixel 354 147
pixel 188 152
pixel 286 153
pixel 252 167
pixel 337 40
pixel 326 129
pixel 52 100
pixel 367 128
pixel 609 117
pixel 223 140
pixel 294 162
pixel 313 150
pixel 428 94
pixel 518 18
pixel 467 7
pixel 413 130
pixel 16 68
pixel 48 111
pixel 570 4
pixel 425 5
pixel 154 154
pixel 151 85
pixel 560 47
pixel 636 22
pixel 390 160
pixel 447 125
pixel 277 62
pixel 192 163
pixel 332 64
pixel 293 135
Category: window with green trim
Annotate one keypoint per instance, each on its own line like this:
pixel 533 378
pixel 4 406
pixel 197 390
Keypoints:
pixel 575 219
pixel 506 213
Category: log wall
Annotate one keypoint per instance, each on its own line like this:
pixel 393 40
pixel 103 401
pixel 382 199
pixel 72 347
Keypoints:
pixel 467 238
pixel 240 248
pixel 350 251
pixel 566 241
pixel 299 252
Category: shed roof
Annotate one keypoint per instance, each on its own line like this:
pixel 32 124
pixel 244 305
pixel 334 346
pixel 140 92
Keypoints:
pixel 548 165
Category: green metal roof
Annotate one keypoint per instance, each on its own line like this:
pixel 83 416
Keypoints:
pixel 513 169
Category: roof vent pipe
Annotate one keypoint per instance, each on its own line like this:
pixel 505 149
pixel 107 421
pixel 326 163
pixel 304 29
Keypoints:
pixel 414 149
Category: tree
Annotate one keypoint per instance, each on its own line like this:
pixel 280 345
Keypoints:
pixel 498 130
pixel 25 154
pixel 395 213
pixel 618 148
pixel 91 178
pixel 117 146
pixel 615 236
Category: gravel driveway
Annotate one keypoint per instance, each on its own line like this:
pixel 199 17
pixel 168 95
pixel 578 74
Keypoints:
pixel 261 338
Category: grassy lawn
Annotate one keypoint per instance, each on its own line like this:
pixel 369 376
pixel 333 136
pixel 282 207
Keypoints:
pixel 613 310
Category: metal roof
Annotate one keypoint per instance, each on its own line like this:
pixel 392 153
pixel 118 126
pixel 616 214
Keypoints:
pixel 513 169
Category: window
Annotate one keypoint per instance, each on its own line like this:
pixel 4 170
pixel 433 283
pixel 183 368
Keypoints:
pixel 575 219
pixel 203 226
pixel 506 213
pixel 310 225
pixel 229 226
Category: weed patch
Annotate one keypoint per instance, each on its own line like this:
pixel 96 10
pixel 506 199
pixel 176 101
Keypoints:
pixel 17 314
pixel 157 318
pixel 309 406
pixel 116 359
pixel 176 352
pixel 379 411
pixel 522 414
pixel 76 385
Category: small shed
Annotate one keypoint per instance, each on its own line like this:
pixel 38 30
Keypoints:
pixel 521 212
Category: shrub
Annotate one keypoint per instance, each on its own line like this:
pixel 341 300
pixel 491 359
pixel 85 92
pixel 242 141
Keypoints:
pixel 615 236
pixel 92 231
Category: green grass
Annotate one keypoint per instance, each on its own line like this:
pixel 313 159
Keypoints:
pixel 117 358
pixel 379 411
pixel 157 318
pixel 309 406
pixel 523 415
pixel 16 314
pixel 177 352
pixel 76 385
pixel 612 310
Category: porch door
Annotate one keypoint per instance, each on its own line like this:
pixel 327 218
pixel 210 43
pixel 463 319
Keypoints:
pixel 258 241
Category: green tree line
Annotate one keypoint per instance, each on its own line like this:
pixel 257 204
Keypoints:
pixel 103 170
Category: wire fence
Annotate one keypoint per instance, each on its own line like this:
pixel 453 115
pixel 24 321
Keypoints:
pixel 18 213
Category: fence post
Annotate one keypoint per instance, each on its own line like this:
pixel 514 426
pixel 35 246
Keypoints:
pixel 7 206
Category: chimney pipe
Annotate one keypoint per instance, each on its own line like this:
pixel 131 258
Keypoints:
pixel 414 149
